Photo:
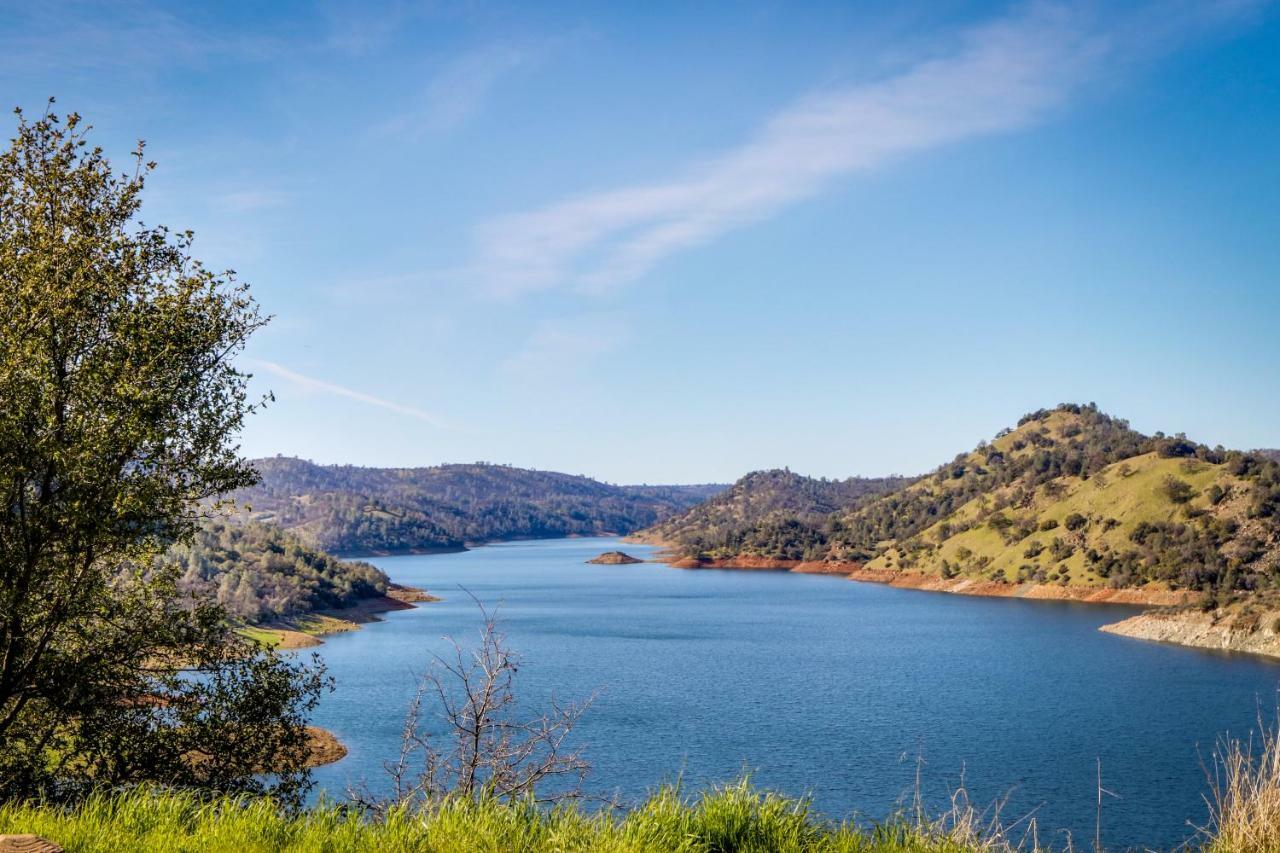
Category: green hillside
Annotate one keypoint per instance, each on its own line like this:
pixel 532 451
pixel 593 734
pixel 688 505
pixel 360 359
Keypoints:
pixel 1176 521
pixel 765 507
pixel 1070 496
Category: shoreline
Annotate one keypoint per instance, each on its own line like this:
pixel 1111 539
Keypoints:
pixel 932 583
pixel 1171 619
pixel 464 547
pixel 1136 596
pixel 399 552
pixel 305 631
pixel 763 564
pixel 1200 630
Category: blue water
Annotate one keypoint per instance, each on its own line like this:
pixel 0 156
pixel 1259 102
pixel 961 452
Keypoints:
pixel 818 686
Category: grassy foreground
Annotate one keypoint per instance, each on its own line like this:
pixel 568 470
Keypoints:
pixel 733 818
pixel 1244 817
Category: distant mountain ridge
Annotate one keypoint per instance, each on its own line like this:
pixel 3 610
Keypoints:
pixel 354 510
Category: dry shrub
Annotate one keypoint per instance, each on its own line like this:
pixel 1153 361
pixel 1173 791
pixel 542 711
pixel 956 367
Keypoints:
pixel 1244 794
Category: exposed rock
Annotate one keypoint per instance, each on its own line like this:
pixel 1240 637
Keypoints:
pixel 27 844
pixel 614 558
pixel 324 747
pixel 1202 630
pixel 409 594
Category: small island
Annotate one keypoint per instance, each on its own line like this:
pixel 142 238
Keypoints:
pixel 614 558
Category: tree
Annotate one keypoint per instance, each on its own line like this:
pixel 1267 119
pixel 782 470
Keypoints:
pixel 487 748
pixel 1176 490
pixel 119 405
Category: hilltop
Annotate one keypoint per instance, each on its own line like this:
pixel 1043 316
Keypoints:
pixel 353 510
pixel 774 514
pixel 1072 499
pixel 1070 503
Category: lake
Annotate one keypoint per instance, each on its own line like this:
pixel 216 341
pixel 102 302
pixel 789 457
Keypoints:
pixel 818 685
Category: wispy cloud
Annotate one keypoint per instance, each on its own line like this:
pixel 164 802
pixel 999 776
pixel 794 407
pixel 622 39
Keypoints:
pixel 460 89
pixel 312 384
pixel 358 28
pixel 137 36
pixel 1006 75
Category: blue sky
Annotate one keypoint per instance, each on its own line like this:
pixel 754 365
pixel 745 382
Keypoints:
pixel 676 242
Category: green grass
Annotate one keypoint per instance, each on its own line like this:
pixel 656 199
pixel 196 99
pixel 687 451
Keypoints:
pixel 733 818
pixel 264 636
pixel 309 624
pixel 1129 492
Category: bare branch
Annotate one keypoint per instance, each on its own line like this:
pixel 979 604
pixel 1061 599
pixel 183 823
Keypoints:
pixel 487 748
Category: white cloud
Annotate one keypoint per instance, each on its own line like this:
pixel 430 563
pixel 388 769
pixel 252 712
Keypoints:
pixel 1002 76
pixel 137 36
pixel 312 384
pixel 460 89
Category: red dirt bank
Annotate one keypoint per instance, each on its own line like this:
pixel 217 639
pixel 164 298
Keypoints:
pixel 933 583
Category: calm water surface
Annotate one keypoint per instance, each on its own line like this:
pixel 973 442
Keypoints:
pixel 818 686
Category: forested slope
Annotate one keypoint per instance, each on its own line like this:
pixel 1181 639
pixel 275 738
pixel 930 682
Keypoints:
pixel 260 573
pixel 775 513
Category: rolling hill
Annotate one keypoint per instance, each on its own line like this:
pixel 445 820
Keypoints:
pixel 1069 498
pixel 357 511
pixel 1172 515
pixel 776 513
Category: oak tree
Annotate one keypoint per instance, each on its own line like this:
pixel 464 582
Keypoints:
pixel 119 407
